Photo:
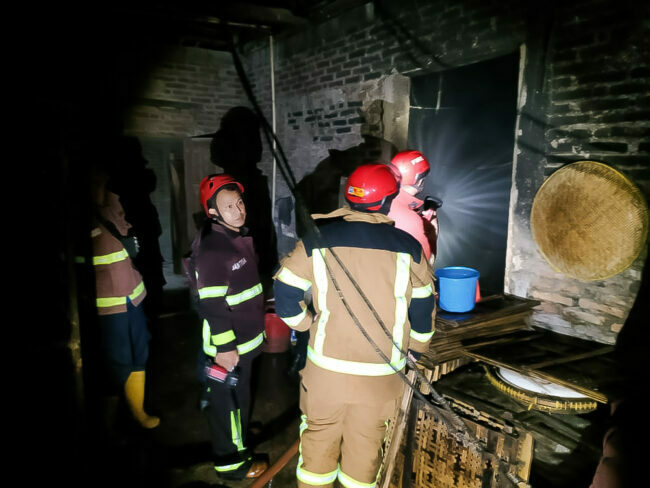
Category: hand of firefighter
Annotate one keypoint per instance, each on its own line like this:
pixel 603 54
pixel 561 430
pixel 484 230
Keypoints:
pixel 414 356
pixel 227 360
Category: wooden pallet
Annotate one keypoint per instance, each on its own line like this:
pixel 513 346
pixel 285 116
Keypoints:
pixel 417 437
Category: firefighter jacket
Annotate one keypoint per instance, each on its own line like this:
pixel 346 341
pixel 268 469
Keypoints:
pixel 231 303
pixel 116 278
pixel 403 211
pixel 389 267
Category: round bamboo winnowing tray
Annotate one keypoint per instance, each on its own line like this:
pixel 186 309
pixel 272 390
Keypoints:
pixel 589 221
pixel 539 394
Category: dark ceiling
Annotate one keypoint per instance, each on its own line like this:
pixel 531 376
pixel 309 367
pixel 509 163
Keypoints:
pixel 210 24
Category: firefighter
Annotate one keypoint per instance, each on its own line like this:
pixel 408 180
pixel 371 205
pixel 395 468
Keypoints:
pixel 347 392
pixel 223 264
pixel 409 212
pixel 120 293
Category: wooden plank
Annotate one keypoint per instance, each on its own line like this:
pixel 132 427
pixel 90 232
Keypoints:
pixel 401 419
pixel 599 397
pixel 500 340
pixel 577 357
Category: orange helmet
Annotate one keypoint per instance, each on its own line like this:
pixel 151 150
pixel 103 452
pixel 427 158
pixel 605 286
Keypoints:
pixel 411 165
pixel 210 185
pixel 370 187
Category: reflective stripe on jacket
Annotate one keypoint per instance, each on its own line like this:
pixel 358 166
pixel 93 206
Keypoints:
pixel 115 277
pixel 231 299
pixel 387 264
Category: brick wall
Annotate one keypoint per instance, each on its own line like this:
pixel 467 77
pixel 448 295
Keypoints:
pixel 185 94
pixel 584 94
pixel 598 86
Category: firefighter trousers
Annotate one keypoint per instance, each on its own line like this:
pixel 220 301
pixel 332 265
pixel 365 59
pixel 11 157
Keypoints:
pixel 341 440
pixel 227 412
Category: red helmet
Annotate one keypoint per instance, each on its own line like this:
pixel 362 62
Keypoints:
pixel 370 186
pixel 412 165
pixel 211 185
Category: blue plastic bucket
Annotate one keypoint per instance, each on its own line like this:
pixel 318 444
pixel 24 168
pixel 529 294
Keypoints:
pixel 457 288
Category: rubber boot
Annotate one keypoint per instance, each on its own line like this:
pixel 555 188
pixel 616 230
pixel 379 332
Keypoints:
pixel 134 393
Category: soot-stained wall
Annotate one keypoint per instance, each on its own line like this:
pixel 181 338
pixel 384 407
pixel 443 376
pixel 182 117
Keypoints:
pixel 342 87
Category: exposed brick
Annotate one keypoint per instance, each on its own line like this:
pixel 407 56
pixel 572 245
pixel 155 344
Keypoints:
pixel 343 130
pixel 355 104
pixel 629 131
pixel 356 54
pixel 619 147
pixel 575 41
pixel 627 160
pixel 602 77
pixel 356 120
pixel 628 88
pixel 605 104
pixel 573 134
pixel 326 138
pixel 351 64
pixel 593 305
pixel 339 122
pixel 370 59
pixel 353 79
pixel 325 78
pixel 331 115
pixel 563 108
pixel 627 117
pixel 644 147
pixel 371 76
pixel 558 120
pixel 640 72
pixel 361 70
pixel 335 83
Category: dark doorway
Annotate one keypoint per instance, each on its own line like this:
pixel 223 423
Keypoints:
pixel 463 121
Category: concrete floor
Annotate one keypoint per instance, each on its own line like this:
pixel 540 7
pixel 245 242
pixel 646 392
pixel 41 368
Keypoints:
pixel 178 454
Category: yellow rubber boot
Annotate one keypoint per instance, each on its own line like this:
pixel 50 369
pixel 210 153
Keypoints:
pixel 134 393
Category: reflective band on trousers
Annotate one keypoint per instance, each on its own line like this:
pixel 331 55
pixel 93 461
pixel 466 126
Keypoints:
pixel 244 295
pixel 212 291
pixel 422 291
pixel 354 367
pixel 114 301
pixel 290 278
pixel 228 467
pixel 113 257
pixel 235 429
pixel 421 336
pixel 308 477
pixel 349 482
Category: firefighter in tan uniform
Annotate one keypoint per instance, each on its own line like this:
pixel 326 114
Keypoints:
pixel 347 391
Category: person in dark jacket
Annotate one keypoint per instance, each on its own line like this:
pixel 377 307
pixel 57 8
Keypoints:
pixel 231 307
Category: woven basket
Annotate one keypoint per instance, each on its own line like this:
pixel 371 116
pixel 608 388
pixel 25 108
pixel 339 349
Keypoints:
pixel 589 221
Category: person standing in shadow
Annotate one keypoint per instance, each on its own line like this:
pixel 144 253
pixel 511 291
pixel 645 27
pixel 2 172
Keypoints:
pixel 237 148
pixel 134 182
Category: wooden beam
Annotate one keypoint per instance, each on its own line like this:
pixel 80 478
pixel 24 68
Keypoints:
pixel 570 359
pixel 599 397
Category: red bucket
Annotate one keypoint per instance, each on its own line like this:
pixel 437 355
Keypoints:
pixel 278 334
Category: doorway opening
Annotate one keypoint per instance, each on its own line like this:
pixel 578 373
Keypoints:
pixel 463 121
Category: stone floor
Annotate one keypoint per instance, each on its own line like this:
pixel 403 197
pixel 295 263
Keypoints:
pixel 177 454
